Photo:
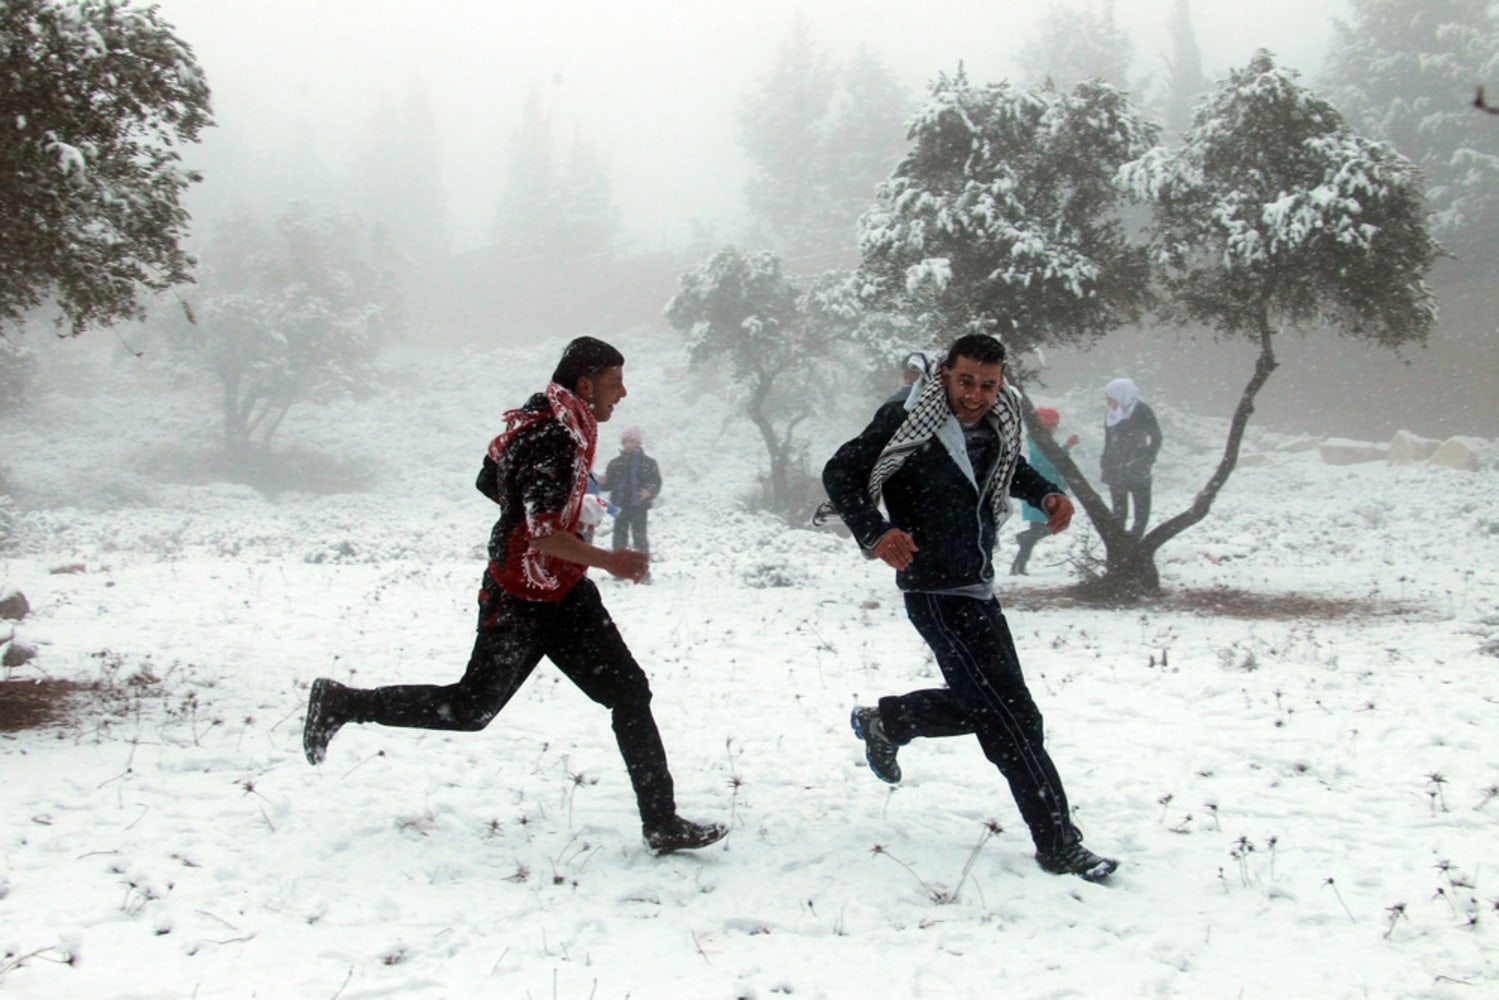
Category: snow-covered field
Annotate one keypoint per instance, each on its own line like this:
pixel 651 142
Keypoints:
pixel 1300 804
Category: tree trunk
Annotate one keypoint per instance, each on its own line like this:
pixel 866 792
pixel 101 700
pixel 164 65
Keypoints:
pixel 236 426
pixel 1129 562
pixel 778 485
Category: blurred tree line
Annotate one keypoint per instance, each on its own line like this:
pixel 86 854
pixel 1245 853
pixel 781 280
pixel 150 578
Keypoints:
pixel 879 221
pixel 1052 215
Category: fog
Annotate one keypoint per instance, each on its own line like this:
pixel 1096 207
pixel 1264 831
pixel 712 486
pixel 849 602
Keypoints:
pixel 312 100
pixel 656 85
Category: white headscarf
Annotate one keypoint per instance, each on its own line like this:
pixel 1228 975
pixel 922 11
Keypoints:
pixel 1124 392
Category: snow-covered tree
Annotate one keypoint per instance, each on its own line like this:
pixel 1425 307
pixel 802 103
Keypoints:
pixel 1003 218
pixel 820 137
pixel 97 98
pixel 1077 42
pixel 285 313
pixel 1272 213
pixel 773 338
pixel 1404 71
pixel 551 206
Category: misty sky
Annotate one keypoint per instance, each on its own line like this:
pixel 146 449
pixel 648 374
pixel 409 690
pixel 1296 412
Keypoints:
pixel 655 84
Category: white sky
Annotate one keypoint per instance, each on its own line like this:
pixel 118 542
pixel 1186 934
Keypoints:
pixel 654 83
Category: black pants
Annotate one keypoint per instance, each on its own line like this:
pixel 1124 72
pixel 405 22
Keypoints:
pixel 578 636
pixel 1033 533
pixel 631 521
pixel 986 696
pixel 1120 496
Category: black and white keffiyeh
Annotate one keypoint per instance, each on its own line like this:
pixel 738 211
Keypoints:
pixel 928 414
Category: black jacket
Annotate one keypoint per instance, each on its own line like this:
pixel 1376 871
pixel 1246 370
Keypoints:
pixel 532 482
pixel 931 499
pixel 617 479
pixel 1129 448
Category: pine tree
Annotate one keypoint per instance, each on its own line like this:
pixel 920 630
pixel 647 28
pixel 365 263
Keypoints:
pixel 783 129
pixel 1186 86
pixel 551 207
pixel 529 221
pixel 1076 43
pixel 400 178
pixel 1405 71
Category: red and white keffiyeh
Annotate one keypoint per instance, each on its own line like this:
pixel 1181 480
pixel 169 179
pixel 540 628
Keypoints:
pixel 575 416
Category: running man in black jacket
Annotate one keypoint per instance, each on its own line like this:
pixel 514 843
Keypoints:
pixel 945 463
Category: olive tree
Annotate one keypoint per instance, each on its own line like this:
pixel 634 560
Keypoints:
pixel 777 341
pixel 1004 217
pixel 284 313
pixel 97 98
pixel 1273 213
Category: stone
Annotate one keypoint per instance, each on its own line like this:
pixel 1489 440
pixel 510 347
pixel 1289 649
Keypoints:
pixel 1408 449
pixel 1341 451
pixel 1456 453
pixel 13 604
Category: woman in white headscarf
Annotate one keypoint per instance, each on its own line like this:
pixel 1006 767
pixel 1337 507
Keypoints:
pixel 1131 439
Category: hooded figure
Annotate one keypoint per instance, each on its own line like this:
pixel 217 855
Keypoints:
pixel 1132 438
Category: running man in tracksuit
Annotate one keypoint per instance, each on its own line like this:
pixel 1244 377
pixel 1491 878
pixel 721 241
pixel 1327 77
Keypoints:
pixel 945 462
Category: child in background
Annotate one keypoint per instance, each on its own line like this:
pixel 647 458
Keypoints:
pixel 1035 529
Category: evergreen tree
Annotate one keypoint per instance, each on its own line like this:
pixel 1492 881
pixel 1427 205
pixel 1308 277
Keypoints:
pixel 590 219
pixel 530 214
pixel 97 99
pixel 400 177
pixel 555 210
pixel 1078 42
pixel 1003 217
pixel 865 141
pixel 1405 72
pixel 1186 86
pixel 784 130
pixel 821 139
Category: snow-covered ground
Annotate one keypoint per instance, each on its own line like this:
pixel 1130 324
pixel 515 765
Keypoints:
pixel 1300 803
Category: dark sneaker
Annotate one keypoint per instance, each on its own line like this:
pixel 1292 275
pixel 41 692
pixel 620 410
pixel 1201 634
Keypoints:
pixel 326 703
pixel 879 749
pixel 1078 860
pixel 682 835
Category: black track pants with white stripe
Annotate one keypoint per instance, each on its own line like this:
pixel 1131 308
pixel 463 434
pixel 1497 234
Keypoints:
pixel 985 695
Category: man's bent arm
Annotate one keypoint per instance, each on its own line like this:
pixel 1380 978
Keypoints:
pixel 624 563
pixel 846 476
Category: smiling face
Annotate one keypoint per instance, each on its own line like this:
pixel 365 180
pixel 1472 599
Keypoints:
pixel 602 391
pixel 972 387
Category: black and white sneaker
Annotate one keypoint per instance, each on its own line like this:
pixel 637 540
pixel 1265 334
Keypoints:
pixel 326 703
pixel 682 835
pixel 879 749
pixel 1078 860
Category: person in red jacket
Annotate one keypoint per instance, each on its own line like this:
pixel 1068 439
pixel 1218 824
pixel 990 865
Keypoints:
pixel 536 600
